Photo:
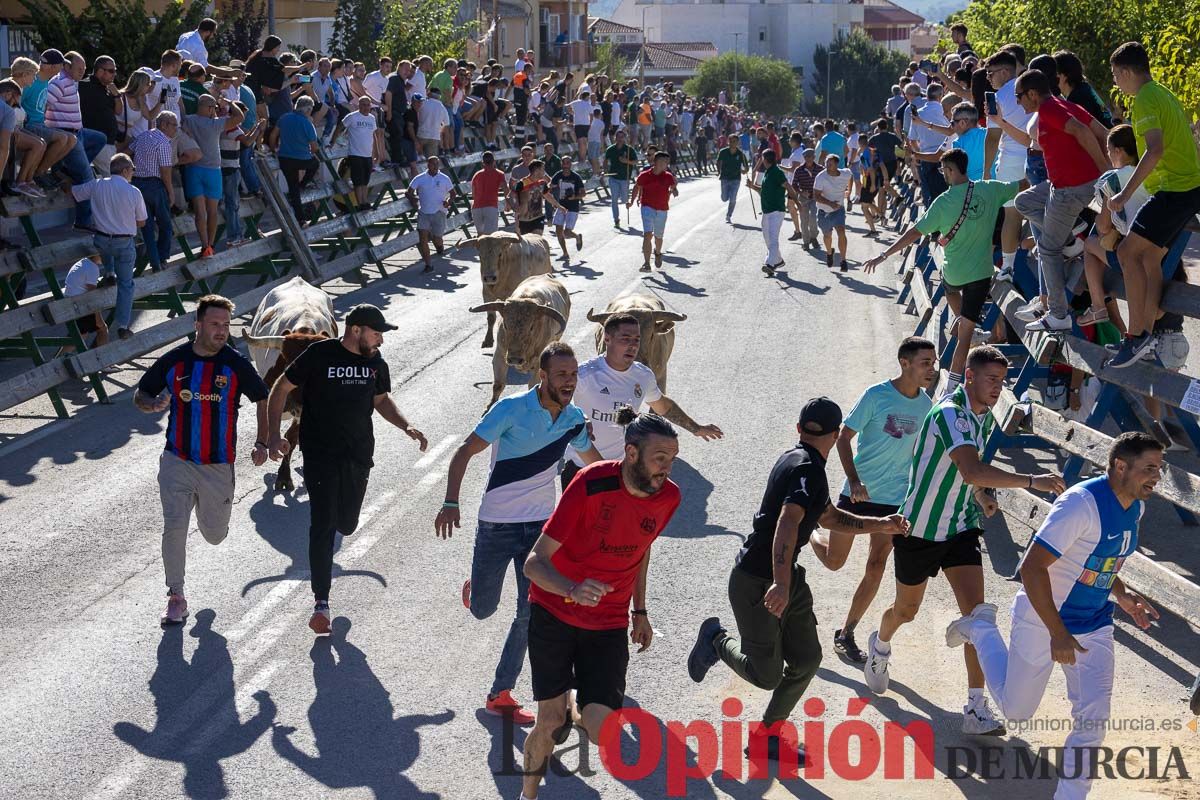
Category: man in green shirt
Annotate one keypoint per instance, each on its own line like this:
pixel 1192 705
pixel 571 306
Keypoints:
pixel 191 89
pixel 964 217
pixel 1169 168
pixel 444 82
pixel 775 191
pixel 550 159
pixel 619 162
pixel 731 166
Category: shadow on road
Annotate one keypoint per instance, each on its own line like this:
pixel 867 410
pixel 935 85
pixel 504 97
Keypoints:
pixel 859 287
pixel 359 743
pixel 691 520
pixel 506 761
pixel 668 283
pixel 197 720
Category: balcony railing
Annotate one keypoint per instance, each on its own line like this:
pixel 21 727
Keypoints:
pixel 562 54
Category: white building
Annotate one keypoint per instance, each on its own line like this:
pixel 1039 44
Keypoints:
pixel 786 29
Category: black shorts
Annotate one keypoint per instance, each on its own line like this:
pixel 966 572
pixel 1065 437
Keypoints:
pixel 1164 215
pixel 918 560
pixel 87 324
pixel 867 195
pixel 360 170
pixel 974 295
pixel 867 509
pixel 563 657
pixel 581 134
pixel 531 225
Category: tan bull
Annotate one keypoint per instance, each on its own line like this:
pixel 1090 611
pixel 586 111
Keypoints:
pixel 533 316
pixel 657 327
pixel 505 260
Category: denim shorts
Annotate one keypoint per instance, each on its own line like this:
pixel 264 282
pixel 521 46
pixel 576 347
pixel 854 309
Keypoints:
pixel 565 218
pixel 828 220
pixel 203 182
pixel 654 221
pixel 1173 350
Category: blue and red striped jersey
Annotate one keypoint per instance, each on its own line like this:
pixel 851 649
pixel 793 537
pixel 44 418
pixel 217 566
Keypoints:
pixel 205 394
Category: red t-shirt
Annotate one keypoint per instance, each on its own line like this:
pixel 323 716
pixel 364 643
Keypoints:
pixel 1067 163
pixel 656 189
pixel 604 532
pixel 485 188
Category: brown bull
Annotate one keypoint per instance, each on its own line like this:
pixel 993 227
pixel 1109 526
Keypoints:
pixel 533 316
pixel 657 329
pixel 505 260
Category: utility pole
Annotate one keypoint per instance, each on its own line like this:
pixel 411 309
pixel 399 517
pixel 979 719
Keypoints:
pixel 828 71
pixel 496 29
pixel 642 54
pixel 735 63
pixel 270 16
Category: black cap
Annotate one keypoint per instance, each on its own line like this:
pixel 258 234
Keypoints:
pixel 371 317
pixel 53 56
pixel 820 416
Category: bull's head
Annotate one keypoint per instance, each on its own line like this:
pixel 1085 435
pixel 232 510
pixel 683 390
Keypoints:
pixel 650 322
pixel 489 247
pixel 529 327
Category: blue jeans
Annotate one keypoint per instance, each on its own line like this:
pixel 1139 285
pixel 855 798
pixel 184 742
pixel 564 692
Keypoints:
pixel 932 182
pixel 157 232
pixel 78 165
pixel 496 545
pixel 231 202
pixel 457 119
pixel 620 193
pixel 249 174
pixel 119 256
pixel 729 193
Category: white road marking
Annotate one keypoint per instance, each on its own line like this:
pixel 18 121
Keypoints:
pixel 682 240
pixel 435 451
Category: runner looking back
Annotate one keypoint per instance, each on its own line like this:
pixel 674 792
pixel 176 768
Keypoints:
pixel 653 189
pixel 946 484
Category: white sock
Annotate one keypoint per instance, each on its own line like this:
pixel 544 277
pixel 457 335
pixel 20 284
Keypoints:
pixel 974 696
pixel 882 647
pixel 1009 260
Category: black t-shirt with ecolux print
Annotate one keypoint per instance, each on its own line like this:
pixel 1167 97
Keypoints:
pixel 339 390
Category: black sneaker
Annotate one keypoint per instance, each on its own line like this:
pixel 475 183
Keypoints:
pixel 773 751
pixel 847 648
pixel 768 270
pixel 829 260
pixel 124 333
pixel 845 266
pixel 645 267
pixel 795 237
pixel 704 651
pixel 106 281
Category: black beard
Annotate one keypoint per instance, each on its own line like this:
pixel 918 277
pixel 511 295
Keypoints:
pixel 640 477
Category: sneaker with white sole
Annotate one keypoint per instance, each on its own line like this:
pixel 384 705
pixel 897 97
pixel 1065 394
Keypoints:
pixel 1005 273
pixel 319 621
pixel 1030 313
pixel 1073 248
pixel 1131 350
pixel 875 671
pixel 1050 323
pixel 956 631
pixel 177 610
pixel 980 720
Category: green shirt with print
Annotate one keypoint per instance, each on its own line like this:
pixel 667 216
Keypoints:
pixel 614 166
pixel 774 195
pixel 1154 107
pixel 968 256
pixel 444 83
pixel 730 164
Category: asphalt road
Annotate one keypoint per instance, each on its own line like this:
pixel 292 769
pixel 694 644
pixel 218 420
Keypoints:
pixel 240 702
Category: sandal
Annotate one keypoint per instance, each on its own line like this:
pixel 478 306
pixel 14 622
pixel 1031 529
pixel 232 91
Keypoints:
pixel 1091 317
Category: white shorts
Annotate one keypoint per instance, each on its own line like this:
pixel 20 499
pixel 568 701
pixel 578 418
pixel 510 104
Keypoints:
pixel 486 219
pixel 1010 168
pixel 565 218
pixel 434 224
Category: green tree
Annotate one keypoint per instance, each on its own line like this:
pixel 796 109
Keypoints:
pixel 774 88
pixel 424 28
pixel 1175 59
pixel 609 62
pixel 356 28
pixel 860 75
pixel 241 30
pixel 116 28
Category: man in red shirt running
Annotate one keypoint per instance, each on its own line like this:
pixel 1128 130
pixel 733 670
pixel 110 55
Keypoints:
pixel 654 188
pixel 591 559
pixel 486 187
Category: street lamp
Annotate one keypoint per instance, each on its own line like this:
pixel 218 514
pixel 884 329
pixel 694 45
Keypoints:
pixel 736 35
pixel 828 72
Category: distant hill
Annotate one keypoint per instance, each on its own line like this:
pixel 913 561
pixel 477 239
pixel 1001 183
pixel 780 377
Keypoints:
pixel 932 10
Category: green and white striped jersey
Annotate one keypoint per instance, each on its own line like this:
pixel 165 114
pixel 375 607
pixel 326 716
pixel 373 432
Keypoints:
pixel 938 503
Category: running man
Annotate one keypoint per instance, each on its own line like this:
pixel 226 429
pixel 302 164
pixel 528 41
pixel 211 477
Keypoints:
pixel 591 560
pixel 430 192
pixel 204 381
pixel 653 189
pixel 731 166
pixel 886 419
pixel 620 160
pixel 526 199
pixel 775 191
pixel 614 379
pixel 946 484
pixel 566 192
pixel 829 192
pixel 345 381
pixel 965 216
pixel 772 604
pixel 529 432
pixel 1063 612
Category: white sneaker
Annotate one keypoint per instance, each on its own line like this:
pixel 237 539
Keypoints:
pixel 956 631
pixel 1031 313
pixel 979 720
pixel 1049 322
pixel 1032 304
pixel 1074 249
pixel 875 671
pixel 1005 273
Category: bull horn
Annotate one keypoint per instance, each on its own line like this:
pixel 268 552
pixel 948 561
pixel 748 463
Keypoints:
pixel 601 318
pixel 557 316
pixel 674 316
pixel 467 243
pixel 495 305
pixel 268 342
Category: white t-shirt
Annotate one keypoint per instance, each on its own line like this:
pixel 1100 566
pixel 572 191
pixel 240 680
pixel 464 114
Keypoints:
pixel 192 46
pixel 431 191
pixel 833 187
pixel 596 131
pixel 535 101
pixel 1111 183
pixel 168 89
pixel 84 272
pixel 601 390
pixel 1006 99
pixel 431 119
pixel 418 84
pixel 581 112
pixel 361 128
pixel 615 117
pixel 375 84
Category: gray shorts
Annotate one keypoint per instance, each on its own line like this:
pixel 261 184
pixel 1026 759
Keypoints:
pixel 487 219
pixel 434 223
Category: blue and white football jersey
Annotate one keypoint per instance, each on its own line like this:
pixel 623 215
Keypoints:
pixel 1092 535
